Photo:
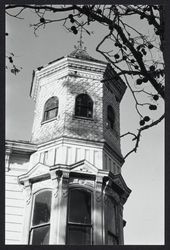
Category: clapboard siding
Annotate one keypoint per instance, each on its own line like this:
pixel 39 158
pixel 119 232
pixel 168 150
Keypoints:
pixel 15 195
pixel 12 235
pixel 14 210
pixel 12 242
pixel 13 227
pixel 14 186
pixel 15 204
pixel 14 218
pixel 11 179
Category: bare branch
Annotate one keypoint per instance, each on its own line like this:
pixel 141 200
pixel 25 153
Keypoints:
pixel 137 137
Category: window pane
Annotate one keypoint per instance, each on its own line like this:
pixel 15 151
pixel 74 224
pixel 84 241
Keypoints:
pixel 51 114
pixel 79 235
pixel 84 106
pixel 110 116
pixel 40 236
pixel 80 206
pixel 42 208
pixel 51 103
pixel 51 108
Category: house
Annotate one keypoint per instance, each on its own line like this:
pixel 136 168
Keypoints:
pixel 64 186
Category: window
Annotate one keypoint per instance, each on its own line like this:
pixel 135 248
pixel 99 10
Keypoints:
pixel 112 239
pixel 110 116
pixel 50 108
pixel 111 222
pixel 79 230
pixel 40 224
pixel 84 106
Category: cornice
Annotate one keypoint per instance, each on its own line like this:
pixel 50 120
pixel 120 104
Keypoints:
pixel 70 140
pixel 21 147
pixel 68 66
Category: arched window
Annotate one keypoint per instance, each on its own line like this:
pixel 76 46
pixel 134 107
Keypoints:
pixel 84 106
pixel 40 223
pixel 50 108
pixel 79 230
pixel 110 116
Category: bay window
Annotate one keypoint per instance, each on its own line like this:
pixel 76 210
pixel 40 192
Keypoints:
pixel 79 228
pixel 40 222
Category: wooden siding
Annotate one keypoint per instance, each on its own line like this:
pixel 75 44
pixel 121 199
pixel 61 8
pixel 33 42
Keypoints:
pixel 14 201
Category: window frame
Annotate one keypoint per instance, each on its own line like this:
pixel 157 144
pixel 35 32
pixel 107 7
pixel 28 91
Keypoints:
pixel 115 237
pixel 83 106
pixel 78 224
pixel 107 229
pixel 47 110
pixel 110 117
pixel 31 226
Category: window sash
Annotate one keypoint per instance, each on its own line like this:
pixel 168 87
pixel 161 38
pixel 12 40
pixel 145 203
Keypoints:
pixel 82 228
pixel 33 230
pixel 50 108
pixel 84 106
pixel 47 114
pixel 83 235
pixel 41 224
pixel 51 103
pixel 34 219
pixel 85 216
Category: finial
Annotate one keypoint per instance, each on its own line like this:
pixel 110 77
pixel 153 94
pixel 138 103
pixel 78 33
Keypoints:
pixel 80 42
pixel 81 38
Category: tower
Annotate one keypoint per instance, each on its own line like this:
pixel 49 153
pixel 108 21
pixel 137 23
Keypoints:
pixel 73 188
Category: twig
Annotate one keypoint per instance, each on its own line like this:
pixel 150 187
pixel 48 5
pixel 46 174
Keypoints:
pixel 137 137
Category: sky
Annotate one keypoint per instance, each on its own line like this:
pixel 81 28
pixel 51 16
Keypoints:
pixel 143 172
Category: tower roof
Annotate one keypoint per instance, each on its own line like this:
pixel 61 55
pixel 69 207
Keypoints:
pixel 81 53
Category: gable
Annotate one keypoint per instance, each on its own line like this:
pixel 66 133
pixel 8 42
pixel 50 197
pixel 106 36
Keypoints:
pixel 38 171
pixel 84 167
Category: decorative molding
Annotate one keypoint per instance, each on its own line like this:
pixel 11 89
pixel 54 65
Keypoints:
pixel 55 184
pixel 24 147
pixel 80 181
pixel 56 190
pixel 62 68
pixel 8 152
pixel 99 196
pixel 118 180
pixel 84 167
pixel 110 193
pixel 27 192
pixel 99 188
pixel 38 172
pixel 65 183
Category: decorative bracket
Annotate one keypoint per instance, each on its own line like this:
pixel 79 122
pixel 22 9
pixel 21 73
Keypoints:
pixel 27 191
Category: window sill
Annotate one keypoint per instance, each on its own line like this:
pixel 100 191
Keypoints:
pixel 82 118
pixel 50 120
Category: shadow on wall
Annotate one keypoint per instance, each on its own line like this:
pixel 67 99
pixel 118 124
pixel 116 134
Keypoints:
pixel 96 219
pixel 84 127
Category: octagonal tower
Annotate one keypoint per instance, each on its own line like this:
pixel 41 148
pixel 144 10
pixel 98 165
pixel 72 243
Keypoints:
pixel 75 174
pixel 94 137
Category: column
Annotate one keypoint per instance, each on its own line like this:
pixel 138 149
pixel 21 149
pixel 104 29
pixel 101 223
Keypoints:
pixel 27 213
pixel 54 225
pixel 98 212
pixel 63 201
pixel 120 224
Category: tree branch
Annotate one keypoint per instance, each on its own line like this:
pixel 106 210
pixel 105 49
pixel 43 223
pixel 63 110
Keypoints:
pixel 137 137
